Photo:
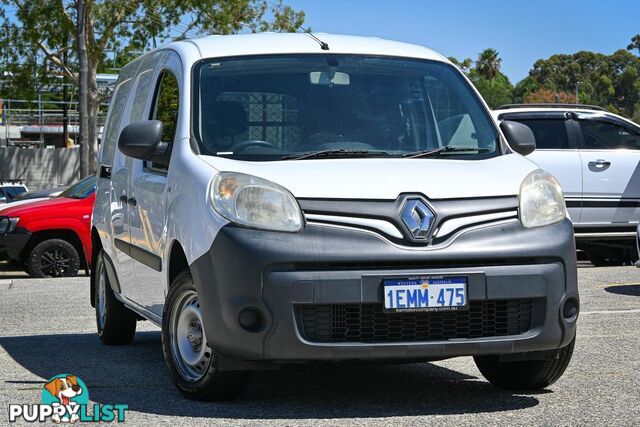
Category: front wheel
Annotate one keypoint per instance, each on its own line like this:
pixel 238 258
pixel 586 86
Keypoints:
pixel 191 361
pixel 53 258
pixel 526 375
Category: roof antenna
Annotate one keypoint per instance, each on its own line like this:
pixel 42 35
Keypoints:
pixel 307 31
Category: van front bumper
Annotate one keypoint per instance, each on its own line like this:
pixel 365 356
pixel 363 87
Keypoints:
pixel 316 295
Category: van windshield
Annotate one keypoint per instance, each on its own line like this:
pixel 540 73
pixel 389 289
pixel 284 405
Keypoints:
pixel 322 106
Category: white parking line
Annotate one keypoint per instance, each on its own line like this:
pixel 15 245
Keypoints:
pixel 636 310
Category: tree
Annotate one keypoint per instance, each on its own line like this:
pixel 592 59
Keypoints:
pixel 610 81
pixel 48 27
pixel 635 43
pixel 547 96
pixel 488 63
pixel 496 92
pixel 465 65
pixel 523 88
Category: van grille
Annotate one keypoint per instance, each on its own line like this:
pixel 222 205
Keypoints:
pixel 368 323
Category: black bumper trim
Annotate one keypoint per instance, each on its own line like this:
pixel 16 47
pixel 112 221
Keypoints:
pixel 272 272
pixel 143 256
pixel 12 244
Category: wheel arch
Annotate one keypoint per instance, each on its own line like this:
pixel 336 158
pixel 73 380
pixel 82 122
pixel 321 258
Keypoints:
pixel 177 262
pixel 96 246
pixel 66 234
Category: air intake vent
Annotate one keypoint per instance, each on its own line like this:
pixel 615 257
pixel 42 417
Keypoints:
pixel 368 323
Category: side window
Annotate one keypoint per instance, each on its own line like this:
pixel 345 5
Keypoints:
pixel 142 94
pixel 166 105
pixel 549 133
pixel 165 108
pixel 608 136
pixel 111 129
pixel 143 87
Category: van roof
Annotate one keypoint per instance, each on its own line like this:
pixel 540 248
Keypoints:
pixel 290 43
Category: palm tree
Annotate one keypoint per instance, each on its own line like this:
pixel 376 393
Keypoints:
pixel 488 63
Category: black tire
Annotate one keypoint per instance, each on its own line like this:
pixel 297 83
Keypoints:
pixel 526 375
pixel 116 323
pixel 53 258
pixel 212 385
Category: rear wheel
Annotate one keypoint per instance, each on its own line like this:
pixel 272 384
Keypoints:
pixel 116 323
pixel 53 258
pixel 191 361
pixel 526 375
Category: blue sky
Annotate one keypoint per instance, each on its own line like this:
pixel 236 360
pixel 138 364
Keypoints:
pixel 521 31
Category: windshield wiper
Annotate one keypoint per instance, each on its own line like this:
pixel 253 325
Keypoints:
pixel 446 149
pixel 335 154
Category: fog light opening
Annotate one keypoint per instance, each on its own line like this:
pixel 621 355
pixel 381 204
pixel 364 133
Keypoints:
pixel 251 319
pixel 570 309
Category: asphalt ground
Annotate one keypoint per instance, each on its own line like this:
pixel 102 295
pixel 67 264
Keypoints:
pixel 47 327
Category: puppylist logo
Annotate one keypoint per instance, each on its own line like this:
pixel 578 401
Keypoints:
pixel 65 399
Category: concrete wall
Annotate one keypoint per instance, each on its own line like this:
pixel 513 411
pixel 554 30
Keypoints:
pixel 40 167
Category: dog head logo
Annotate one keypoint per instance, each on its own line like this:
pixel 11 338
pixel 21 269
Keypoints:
pixel 65 392
pixel 64 388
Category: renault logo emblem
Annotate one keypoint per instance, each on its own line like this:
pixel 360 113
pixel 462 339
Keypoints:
pixel 418 218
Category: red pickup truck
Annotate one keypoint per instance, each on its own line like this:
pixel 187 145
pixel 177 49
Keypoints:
pixel 50 238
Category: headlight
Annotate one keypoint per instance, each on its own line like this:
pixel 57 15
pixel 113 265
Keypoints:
pixel 255 202
pixel 7 225
pixel 541 200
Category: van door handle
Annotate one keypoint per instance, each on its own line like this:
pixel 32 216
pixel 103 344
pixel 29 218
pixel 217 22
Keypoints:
pixel 132 201
pixel 599 165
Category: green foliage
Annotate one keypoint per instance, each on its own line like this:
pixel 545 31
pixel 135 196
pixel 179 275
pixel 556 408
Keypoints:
pixel 488 64
pixel 495 87
pixel 496 92
pixel 611 81
pixel 168 104
pixel 464 65
pixel 43 38
pixel 635 43
pixel 606 80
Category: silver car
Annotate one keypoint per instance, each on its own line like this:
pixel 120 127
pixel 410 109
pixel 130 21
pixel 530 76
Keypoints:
pixel 596 157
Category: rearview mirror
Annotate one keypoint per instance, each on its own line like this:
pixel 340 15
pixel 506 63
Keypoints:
pixel 143 141
pixel 329 78
pixel 519 137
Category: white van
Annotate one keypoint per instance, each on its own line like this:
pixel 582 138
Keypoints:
pixel 267 199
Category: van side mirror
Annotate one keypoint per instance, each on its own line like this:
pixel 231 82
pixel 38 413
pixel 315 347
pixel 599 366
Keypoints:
pixel 519 137
pixel 3 199
pixel 143 141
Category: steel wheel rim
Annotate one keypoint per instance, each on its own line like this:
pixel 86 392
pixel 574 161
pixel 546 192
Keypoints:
pixel 101 305
pixel 55 262
pixel 190 350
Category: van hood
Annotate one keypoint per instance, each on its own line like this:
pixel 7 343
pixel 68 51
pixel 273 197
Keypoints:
pixel 388 178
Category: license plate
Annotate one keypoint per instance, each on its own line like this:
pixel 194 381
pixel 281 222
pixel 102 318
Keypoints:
pixel 425 294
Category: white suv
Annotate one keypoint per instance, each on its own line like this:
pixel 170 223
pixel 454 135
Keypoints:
pixel 596 157
pixel 266 199
pixel 9 189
